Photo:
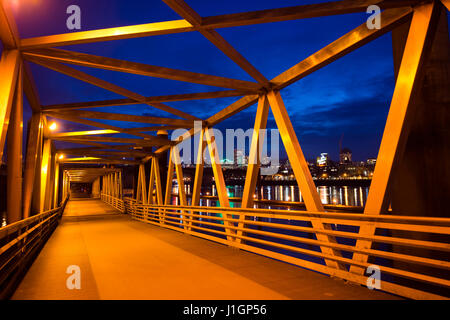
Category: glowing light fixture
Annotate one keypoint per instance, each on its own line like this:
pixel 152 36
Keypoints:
pixel 53 126
pixel 61 157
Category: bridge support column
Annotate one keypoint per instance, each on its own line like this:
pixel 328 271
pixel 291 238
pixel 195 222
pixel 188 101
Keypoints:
pixel 254 162
pixel 402 113
pixel 56 183
pixel 219 179
pixel 302 174
pixel 45 174
pixel 14 164
pixel 196 190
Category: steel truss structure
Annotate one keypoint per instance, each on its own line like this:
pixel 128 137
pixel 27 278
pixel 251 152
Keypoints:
pixel 40 179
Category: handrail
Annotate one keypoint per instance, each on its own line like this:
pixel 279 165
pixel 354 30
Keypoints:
pixel 115 202
pixel 20 242
pixel 288 235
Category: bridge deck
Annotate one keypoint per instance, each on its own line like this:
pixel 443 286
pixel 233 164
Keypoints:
pixel 125 259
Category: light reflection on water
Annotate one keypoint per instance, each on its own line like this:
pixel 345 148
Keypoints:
pixel 338 195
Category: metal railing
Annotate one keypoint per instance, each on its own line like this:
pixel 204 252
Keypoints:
pixel 403 260
pixel 19 244
pixel 114 202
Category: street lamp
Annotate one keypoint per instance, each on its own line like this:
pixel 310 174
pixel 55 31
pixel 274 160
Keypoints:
pixel 53 126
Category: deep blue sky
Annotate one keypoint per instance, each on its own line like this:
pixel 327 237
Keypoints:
pixel 351 96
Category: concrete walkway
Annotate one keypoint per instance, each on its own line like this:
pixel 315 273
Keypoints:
pixel 121 258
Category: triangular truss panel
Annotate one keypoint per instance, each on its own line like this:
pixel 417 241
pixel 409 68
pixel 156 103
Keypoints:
pixel 111 143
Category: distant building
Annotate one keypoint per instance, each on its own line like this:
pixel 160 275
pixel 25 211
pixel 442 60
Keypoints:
pixel 239 157
pixel 322 160
pixel 345 156
pixel 371 161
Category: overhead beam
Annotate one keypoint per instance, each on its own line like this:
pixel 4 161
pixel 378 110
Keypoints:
pixel 166 98
pixel 186 12
pixel 342 46
pixel 100 155
pixel 82 133
pixel 178 26
pixel 77 74
pixel 9 36
pixel 124 117
pixel 349 42
pixel 108 34
pixel 100 146
pixel 89 60
pixel 87 122
pixel 141 142
pixel 103 161
pixel 8 29
pixel 93 152
pixel 298 12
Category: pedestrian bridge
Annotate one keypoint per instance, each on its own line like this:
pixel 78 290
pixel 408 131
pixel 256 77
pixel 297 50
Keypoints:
pixel 122 258
pixel 158 241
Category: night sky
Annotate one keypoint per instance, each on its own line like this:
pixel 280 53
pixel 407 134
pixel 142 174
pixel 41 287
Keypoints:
pixel 349 97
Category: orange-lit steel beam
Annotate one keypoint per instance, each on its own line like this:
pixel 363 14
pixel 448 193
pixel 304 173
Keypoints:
pixel 254 158
pixel 298 12
pixel 349 42
pixel 219 179
pixel 14 160
pixel 9 69
pixel 9 36
pixel 196 190
pixel 186 12
pixel 165 98
pixel 342 46
pixel 31 161
pixel 74 73
pixel 301 172
pixel 121 117
pixel 75 118
pixel 228 20
pixel 142 30
pixel 89 60
pixel 401 114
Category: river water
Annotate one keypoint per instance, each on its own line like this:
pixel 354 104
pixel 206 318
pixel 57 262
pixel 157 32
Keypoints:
pixel 338 195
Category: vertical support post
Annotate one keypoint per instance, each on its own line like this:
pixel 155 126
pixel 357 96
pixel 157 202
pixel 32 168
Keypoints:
pixel 151 182
pixel 196 190
pixel 302 173
pixel 45 173
pixel 218 177
pixel 14 164
pixel 49 192
pixel 254 160
pixel 401 114
pixel 169 178
pixel 31 161
pixel 9 69
pixel 180 181
pixel 143 183
pixel 159 193
pixel 168 194
pixel 120 185
pixel 56 193
pixel 114 180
